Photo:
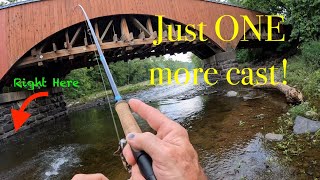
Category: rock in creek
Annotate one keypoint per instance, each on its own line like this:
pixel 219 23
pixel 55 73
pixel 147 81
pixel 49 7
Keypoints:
pixel 231 94
pixel 253 95
pixel 274 137
pixel 303 125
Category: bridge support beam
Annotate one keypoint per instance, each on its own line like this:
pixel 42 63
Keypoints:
pixel 222 61
pixel 42 110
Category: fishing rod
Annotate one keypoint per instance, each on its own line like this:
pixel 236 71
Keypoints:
pixel 128 123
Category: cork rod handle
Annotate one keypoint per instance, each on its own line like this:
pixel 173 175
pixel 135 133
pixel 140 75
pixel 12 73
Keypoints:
pixel 130 125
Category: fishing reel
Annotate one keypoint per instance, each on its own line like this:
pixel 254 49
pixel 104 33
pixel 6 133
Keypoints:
pixel 119 152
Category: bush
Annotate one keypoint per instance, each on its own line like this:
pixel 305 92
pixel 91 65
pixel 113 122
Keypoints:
pixel 311 54
pixel 248 55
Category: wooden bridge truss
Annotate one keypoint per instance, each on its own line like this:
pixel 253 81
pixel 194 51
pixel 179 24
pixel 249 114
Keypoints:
pixel 121 37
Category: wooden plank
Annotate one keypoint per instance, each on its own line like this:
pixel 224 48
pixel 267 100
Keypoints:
pixel 125 34
pixel 149 25
pixel 106 30
pixel 96 29
pixel 22 95
pixel 67 45
pixel 138 25
pixel 82 50
pixel 74 38
pixel 174 34
pixel 67 42
pixel 54 47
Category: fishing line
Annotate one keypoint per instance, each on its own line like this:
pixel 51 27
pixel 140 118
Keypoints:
pixel 128 122
pixel 105 88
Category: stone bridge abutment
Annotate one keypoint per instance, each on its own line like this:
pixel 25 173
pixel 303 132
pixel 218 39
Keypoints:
pixel 42 110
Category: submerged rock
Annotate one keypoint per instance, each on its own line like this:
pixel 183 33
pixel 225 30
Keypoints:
pixel 252 95
pixel 303 125
pixel 274 137
pixel 231 94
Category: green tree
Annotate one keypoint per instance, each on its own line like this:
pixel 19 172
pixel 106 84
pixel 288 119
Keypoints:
pixel 303 16
pixel 197 62
pixel 267 6
pixel 131 72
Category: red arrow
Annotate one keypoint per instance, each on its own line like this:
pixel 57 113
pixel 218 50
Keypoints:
pixel 19 117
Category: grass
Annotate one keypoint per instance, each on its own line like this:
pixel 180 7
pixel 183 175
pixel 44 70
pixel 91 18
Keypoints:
pixel 306 79
pixel 305 110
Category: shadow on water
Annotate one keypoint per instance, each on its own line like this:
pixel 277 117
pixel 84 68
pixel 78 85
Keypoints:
pixel 225 131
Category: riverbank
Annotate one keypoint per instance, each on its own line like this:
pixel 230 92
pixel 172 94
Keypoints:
pixel 301 150
pixel 100 97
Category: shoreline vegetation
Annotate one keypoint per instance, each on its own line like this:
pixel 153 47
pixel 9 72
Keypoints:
pixel 131 77
pixel 126 89
pixel 303 73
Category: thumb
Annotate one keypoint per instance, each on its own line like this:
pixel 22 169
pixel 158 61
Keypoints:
pixel 147 142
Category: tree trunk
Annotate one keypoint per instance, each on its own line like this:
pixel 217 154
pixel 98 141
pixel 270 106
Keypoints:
pixel 292 94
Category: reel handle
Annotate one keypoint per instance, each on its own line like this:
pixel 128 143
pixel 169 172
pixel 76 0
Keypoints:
pixel 129 125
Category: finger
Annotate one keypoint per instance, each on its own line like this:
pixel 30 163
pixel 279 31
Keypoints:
pixel 153 116
pixel 136 175
pixel 89 177
pixel 127 152
pixel 147 142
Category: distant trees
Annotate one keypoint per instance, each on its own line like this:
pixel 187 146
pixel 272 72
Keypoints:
pixel 124 73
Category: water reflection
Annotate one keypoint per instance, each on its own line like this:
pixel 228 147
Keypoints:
pixel 187 108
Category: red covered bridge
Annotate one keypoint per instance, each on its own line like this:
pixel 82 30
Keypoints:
pixel 50 38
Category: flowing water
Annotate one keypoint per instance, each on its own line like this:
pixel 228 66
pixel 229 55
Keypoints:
pixel 226 131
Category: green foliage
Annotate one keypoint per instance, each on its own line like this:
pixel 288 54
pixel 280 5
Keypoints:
pixel 243 56
pixel 197 62
pixel 304 71
pixel 235 2
pixel 248 55
pixel 297 72
pixel 303 15
pixel 312 87
pixel 270 6
pixel 87 84
pixel 124 73
pixel 302 110
pixel 311 54
pixel 8 2
pixel 284 46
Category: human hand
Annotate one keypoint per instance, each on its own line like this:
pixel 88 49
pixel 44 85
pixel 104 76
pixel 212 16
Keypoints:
pixel 89 177
pixel 170 149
